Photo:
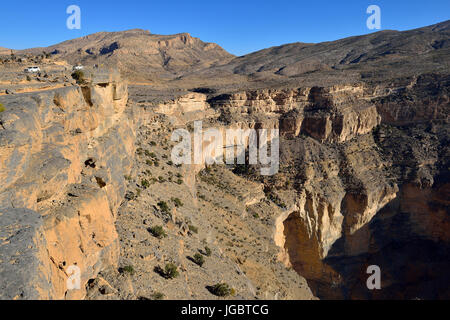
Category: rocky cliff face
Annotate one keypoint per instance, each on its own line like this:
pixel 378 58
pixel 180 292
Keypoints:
pixel 362 181
pixel 63 156
pixel 355 161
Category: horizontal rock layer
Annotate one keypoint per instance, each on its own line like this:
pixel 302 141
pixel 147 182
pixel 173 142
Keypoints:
pixel 63 156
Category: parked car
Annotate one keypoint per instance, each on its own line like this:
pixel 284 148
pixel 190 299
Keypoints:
pixel 75 68
pixel 32 70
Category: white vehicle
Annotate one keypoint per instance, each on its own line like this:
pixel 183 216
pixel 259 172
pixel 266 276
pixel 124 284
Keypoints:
pixel 75 68
pixel 32 69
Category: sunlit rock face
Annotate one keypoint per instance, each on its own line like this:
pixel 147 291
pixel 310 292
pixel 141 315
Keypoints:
pixel 63 155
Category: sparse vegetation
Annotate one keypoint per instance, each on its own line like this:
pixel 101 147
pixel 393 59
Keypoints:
pixel 208 251
pixel 79 77
pixel 161 179
pixel 164 207
pixel 157 296
pixel 127 269
pixel 171 271
pixel 193 229
pixel 158 232
pixel 2 108
pixel 199 259
pixel 221 289
pixel 145 184
pixel 177 202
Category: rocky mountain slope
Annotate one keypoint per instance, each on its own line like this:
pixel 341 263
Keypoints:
pixel 138 54
pixel 375 57
pixel 4 51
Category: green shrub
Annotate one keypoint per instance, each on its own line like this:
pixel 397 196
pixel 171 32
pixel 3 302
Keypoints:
pixel 198 259
pixel 145 184
pixel 79 77
pixel 193 229
pixel 157 296
pixel 158 232
pixel 153 143
pixel 171 271
pixel 127 269
pixel 221 289
pixel 164 207
pixel 208 251
pixel 179 181
pixel 177 202
pixel 2 108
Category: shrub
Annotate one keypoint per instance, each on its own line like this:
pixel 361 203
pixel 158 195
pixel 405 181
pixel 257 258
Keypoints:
pixel 145 184
pixel 177 202
pixel 127 269
pixel 193 229
pixel 179 181
pixel 158 232
pixel 164 206
pixel 2 108
pixel 198 259
pixel 153 143
pixel 171 271
pixel 220 289
pixel 157 296
pixel 79 77
pixel 208 251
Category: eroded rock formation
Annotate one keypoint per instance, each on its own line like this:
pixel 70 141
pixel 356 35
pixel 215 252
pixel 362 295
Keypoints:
pixel 63 155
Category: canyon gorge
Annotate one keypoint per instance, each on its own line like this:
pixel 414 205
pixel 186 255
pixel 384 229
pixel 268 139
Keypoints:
pixel 87 173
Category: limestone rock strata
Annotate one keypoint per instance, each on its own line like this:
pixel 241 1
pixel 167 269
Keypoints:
pixel 63 157
pixel 362 178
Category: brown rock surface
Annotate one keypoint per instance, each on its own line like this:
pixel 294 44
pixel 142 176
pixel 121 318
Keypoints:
pixel 64 156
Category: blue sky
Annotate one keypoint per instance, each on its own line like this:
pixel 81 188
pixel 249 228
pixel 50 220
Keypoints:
pixel 239 26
